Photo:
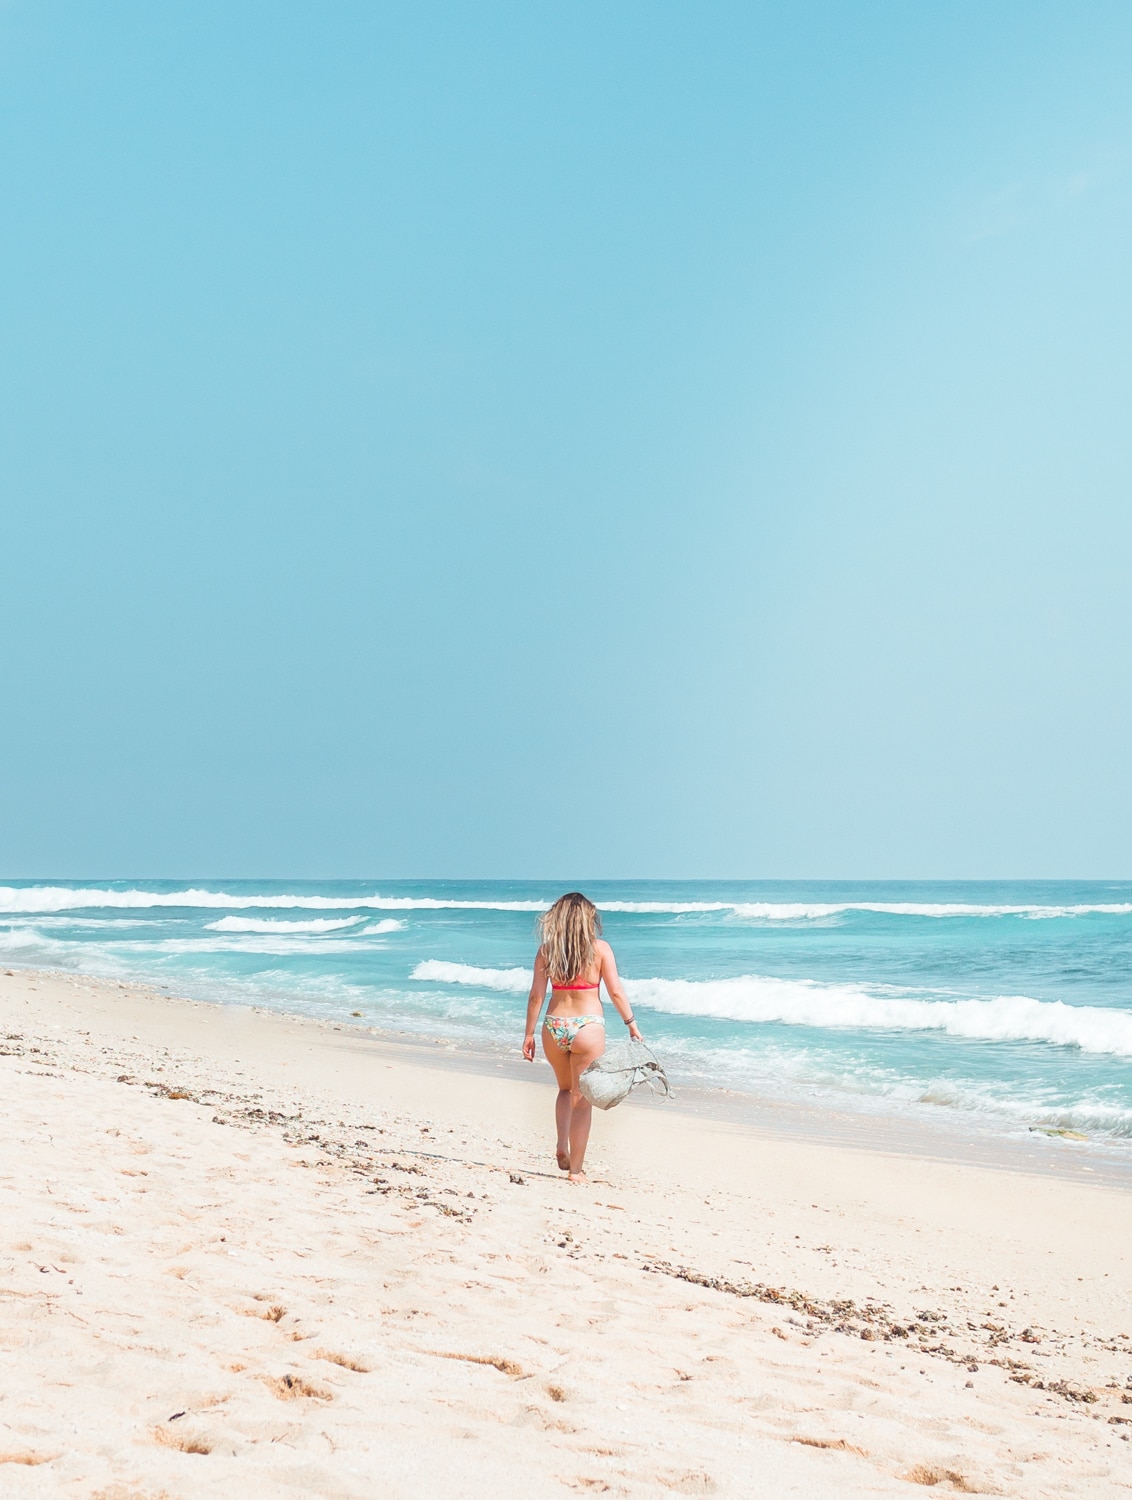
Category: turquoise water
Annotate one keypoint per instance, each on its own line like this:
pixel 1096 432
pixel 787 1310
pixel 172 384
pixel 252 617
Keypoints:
pixel 1008 1002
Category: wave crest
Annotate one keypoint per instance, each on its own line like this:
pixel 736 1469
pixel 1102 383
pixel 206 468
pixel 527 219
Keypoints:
pixel 267 925
pixel 514 981
pixel 1004 1018
pixel 756 999
pixel 46 899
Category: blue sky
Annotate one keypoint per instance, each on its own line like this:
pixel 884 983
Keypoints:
pixel 523 439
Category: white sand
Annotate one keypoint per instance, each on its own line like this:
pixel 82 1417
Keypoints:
pixel 197 1299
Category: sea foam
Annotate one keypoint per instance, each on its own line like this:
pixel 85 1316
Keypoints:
pixel 316 926
pixel 267 925
pixel 31 900
pixel 46 899
pixel 1002 1018
pixel 436 970
pixel 792 1002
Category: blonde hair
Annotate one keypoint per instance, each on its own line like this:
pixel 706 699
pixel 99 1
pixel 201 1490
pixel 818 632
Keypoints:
pixel 568 931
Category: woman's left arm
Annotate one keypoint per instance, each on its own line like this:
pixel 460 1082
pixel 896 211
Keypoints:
pixel 616 990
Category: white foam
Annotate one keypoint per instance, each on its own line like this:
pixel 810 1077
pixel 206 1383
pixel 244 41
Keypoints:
pixel 958 909
pixel 27 900
pixel 798 1002
pixel 516 981
pixel 787 911
pixel 1005 1018
pixel 784 911
pixel 769 911
pixel 267 925
pixel 809 911
pixel 114 954
pixel 44 899
pixel 387 924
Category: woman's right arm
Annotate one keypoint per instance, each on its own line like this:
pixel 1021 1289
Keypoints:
pixel 534 1005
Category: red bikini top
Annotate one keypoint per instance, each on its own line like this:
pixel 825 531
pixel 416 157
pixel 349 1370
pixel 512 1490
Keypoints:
pixel 596 986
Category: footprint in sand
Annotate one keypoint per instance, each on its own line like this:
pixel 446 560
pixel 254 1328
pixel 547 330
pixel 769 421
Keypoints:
pixel 343 1360
pixel 839 1444
pixel 183 1442
pixel 691 1482
pixel 928 1474
pixel 293 1388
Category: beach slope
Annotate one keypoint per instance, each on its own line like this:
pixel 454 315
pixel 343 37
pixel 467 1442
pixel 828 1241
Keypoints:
pixel 241 1252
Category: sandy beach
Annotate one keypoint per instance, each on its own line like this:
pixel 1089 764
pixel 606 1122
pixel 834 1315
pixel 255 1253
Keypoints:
pixel 248 1253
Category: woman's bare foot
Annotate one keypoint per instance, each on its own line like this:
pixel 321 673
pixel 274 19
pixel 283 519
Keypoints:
pixel 563 1161
pixel 579 1179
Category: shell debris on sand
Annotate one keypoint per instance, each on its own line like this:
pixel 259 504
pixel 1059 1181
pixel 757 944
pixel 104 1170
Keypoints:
pixel 536 1339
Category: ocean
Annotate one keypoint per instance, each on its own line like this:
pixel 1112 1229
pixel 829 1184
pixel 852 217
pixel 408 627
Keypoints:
pixel 1006 1003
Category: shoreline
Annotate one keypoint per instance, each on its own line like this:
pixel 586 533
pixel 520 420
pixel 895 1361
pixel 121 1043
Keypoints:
pixel 426 1301
pixel 871 1125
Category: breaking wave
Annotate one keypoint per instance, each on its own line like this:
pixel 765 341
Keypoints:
pixel 516 981
pixel 785 911
pixel 30 900
pixel 47 899
pixel 792 1002
pixel 1004 1018
pixel 266 925
pixel 348 926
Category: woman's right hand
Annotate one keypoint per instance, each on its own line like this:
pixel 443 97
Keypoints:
pixel 529 1046
pixel 635 1032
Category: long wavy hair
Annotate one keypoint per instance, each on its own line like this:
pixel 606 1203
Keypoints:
pixel 568 931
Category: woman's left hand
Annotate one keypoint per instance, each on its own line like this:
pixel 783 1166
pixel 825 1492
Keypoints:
pixel 529 1047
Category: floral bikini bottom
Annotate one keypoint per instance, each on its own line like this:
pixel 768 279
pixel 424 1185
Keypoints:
pixel 565 1028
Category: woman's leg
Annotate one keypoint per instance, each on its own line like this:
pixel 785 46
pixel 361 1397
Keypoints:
pixel 588 1045
pixel 560 1062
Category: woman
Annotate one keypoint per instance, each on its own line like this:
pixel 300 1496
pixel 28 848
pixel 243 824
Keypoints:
pixel 573 960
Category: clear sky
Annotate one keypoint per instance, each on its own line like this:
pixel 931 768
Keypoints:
pixel 634 439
